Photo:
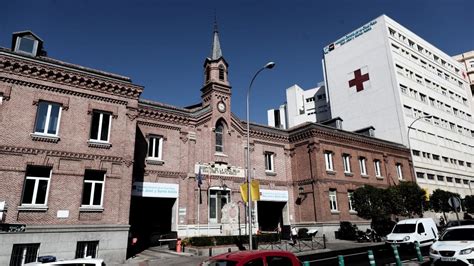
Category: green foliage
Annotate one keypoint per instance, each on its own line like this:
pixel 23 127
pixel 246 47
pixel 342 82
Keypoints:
pixel 370 202
pixel 406 199
pixel 469 203
pixel 347 231
pixel 203 241
pixel 439 200
pixel 382 225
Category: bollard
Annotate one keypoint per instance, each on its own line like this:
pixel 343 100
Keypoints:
pixel 228 250
pixel 397 256
pixel 306 263
pixel 210 252
pixel 341 260
pixel 371 257
pixel 418 252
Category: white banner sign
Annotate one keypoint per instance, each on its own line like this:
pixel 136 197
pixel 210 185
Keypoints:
pixel 155 190
pixel 219 170
pixel 273 195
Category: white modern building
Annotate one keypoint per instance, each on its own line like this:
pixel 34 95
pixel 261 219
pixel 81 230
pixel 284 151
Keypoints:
pixel 301 106
pixel 385 76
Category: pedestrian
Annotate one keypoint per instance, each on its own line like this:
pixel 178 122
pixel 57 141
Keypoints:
pixel 442 223
pixel 294 234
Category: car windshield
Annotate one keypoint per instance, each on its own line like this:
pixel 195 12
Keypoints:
pixel 219 263
pixel 462 234
pixel 404 228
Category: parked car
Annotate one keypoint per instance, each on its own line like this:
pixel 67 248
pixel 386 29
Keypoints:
pixel 456 245
pixel 408 232
pixel 75 262
pixel 456 223
pixel 254 258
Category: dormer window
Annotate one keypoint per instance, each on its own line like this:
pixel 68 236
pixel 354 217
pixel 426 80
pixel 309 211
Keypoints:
pixel 26 42
pixel 26 45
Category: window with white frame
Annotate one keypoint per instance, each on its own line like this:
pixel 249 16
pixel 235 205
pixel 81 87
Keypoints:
pixel 100 127
pixel 269 162
pixel 378 173
pixel 329 162
pixel 155 147
pixel 399 171
pixel 36 187
pixel 86 249
pixel 346 161
pixel 47 118
pixel 350 196
pixel 333 199
pixel 93 191
pixel 363 168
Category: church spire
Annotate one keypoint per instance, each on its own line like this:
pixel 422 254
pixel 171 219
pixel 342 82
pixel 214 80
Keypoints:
pixel 216 51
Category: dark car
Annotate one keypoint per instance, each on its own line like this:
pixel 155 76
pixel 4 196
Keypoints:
pixel 456 223
pixel 254 258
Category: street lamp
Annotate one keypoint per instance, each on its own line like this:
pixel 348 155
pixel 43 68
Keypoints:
pixel 269 65
pixel 409 144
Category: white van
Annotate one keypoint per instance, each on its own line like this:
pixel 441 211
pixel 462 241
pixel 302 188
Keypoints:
pixel 406 232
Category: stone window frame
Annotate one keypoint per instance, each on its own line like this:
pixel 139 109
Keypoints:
pixel 99 128
pixel 378 168
pixel 329 160
pixel 363 165
pixel 333 200
pixel 346 163
pixel 269 158
pixel 399 169
pixel 45 133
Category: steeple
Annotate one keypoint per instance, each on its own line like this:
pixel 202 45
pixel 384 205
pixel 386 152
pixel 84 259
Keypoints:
pixel 216 51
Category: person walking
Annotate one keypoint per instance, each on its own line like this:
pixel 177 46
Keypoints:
pixel 294 234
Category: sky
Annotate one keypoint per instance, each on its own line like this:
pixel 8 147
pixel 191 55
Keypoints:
pixel 162 45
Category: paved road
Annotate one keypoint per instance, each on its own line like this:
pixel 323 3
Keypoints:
pixel 383 256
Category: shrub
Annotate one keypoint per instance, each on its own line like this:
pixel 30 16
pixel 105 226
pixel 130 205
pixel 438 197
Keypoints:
pixel 201 241
pixel 347 231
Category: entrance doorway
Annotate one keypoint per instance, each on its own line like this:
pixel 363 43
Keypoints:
pixel 150 218
pixel 217 199
pixel 269 214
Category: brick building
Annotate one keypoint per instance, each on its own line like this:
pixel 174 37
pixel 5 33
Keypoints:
pixel 65 164
pixel 82 157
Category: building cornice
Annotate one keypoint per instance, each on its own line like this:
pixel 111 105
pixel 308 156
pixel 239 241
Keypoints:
pixel 49 72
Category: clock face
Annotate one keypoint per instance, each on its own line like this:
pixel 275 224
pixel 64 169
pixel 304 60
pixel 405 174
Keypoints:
pixel 221 107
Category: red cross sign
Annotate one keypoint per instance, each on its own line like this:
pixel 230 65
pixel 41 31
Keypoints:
pixel 358 80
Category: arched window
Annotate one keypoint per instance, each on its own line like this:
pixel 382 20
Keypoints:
pixel 219 137
pixel 221 72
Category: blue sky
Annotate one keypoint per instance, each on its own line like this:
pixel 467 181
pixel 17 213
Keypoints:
pixel 162 44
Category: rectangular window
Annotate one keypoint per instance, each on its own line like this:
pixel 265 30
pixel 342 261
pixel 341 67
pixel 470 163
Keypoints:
pixel 333 199
pixel 24 253
pixel 269 163
pixel 155 147
pixel 36 187
pixel 378 173
pixel 440 178
pixel 415 153
pixel 363 168
pixel 100 127
pixel 468 164
pixel 449 179
pixel 350 195
pixel 87 249
pixel 399 171
pixel 465 182
pixel 217 200
pixel 457 180
pixel 435 157
pixel 47 118
pixel 346 161
pixel 328 159
pixel 430 176
pixel 93 191
pixel 420 175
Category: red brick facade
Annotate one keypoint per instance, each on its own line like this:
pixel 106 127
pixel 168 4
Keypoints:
pixel 187 140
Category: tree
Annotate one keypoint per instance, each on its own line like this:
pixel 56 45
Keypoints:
pixel 439 201
pixel 469 203
pixel 406 199
pixel 370 202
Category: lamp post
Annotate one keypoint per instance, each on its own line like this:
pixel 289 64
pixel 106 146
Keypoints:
pixel 269 65
pixel 409 144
